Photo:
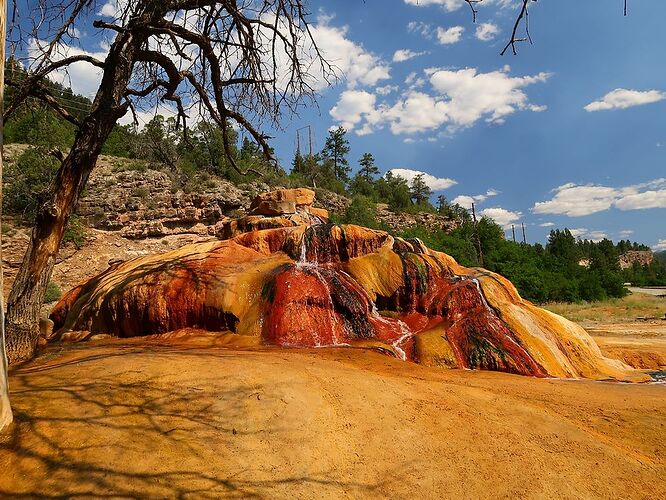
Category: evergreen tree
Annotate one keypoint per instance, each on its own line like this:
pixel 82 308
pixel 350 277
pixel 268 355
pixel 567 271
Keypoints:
pixel 335 150
pixel 298 163
pixel 443 205
pixel 420 191
pixel 249 150
pixel 394 190
pixel 368 168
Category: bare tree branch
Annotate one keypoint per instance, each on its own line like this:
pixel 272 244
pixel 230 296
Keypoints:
pixel 39 91
pixel 523 14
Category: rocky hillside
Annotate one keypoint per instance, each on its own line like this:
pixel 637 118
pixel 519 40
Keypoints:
pixel 136 201
pixel 642 257
pixel 132 210
pixel 140 203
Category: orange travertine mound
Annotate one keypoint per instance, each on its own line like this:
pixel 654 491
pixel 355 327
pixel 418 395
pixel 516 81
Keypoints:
pixel 326 285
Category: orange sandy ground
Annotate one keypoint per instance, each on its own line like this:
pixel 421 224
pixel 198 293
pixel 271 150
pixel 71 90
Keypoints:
pixel 639 344
pixel 193 419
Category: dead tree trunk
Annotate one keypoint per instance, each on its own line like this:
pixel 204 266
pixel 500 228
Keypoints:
pixel 25 299
pixel 5 407
pixel 225 51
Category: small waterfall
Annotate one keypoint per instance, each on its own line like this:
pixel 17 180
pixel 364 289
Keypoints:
pixel 405 332
pixel 312 267
pixel 303 259
pixel 481 294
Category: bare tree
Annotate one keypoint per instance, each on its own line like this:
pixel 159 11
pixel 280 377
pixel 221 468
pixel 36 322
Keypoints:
pixel 232 61
pixel 5 408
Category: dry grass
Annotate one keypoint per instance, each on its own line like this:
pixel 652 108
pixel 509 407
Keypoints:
pixel 629 308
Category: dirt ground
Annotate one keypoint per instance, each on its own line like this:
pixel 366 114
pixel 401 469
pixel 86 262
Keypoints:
pixel 192 419
pixel 639 344
pixel 629 328
pixel 134 419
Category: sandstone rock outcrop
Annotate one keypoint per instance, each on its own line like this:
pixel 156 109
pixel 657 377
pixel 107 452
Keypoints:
pixel 330 285
pixel 282 201
pixel 275 209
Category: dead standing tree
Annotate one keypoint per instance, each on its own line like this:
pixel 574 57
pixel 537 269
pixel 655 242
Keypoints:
pixel 233 61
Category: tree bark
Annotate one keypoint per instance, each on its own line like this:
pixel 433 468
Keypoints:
pixel 5 407
pixel 27 295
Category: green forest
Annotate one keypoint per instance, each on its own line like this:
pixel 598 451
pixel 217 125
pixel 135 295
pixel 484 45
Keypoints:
pixel 542 273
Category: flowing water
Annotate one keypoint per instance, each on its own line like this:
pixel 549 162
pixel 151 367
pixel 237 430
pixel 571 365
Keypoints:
pixel 312 267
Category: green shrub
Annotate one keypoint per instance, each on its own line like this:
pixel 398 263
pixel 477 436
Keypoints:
pixel 361 212
pixel 75 232
pixel 53 293
pixel 28 180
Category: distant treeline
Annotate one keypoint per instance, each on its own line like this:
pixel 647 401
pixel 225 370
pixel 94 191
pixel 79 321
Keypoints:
pixel 541 273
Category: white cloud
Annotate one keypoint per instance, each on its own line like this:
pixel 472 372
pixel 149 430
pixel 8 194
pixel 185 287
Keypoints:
pixel 435 183
pixel 448 36
pixel 453 5
pixel 660 246
pixel 112 8
pixel 386 89
pixel 401 55
pixel 416 112
pixel 474 95
pixel 652 198
pixel 463 200
pixel 82 77
pixel 547 224
pixel 577 232
pixel 577 200
pixel 459 99
pixel 626 232
pixel 596 236
pixel 466 201
pixel 353 107
pixel 486 31
pixel 145 115
pixel 413 80
pixel 503 4
pixel 358 66
pixel 623 98
pixel 418 27
pixel 501 216
pixel 448 5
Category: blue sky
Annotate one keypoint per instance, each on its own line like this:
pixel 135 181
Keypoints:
pixel 568 133
pixel 615 157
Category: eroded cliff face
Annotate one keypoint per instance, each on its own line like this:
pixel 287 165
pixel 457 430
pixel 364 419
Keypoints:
pixel 326 285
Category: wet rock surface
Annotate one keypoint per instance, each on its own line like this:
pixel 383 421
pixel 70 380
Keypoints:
pixel 329 285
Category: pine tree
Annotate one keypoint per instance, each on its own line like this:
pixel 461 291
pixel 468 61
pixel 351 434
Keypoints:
pixel 419 190
pixel 297 164
pixel 335 150
pixel 368 168
pixel 443 205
